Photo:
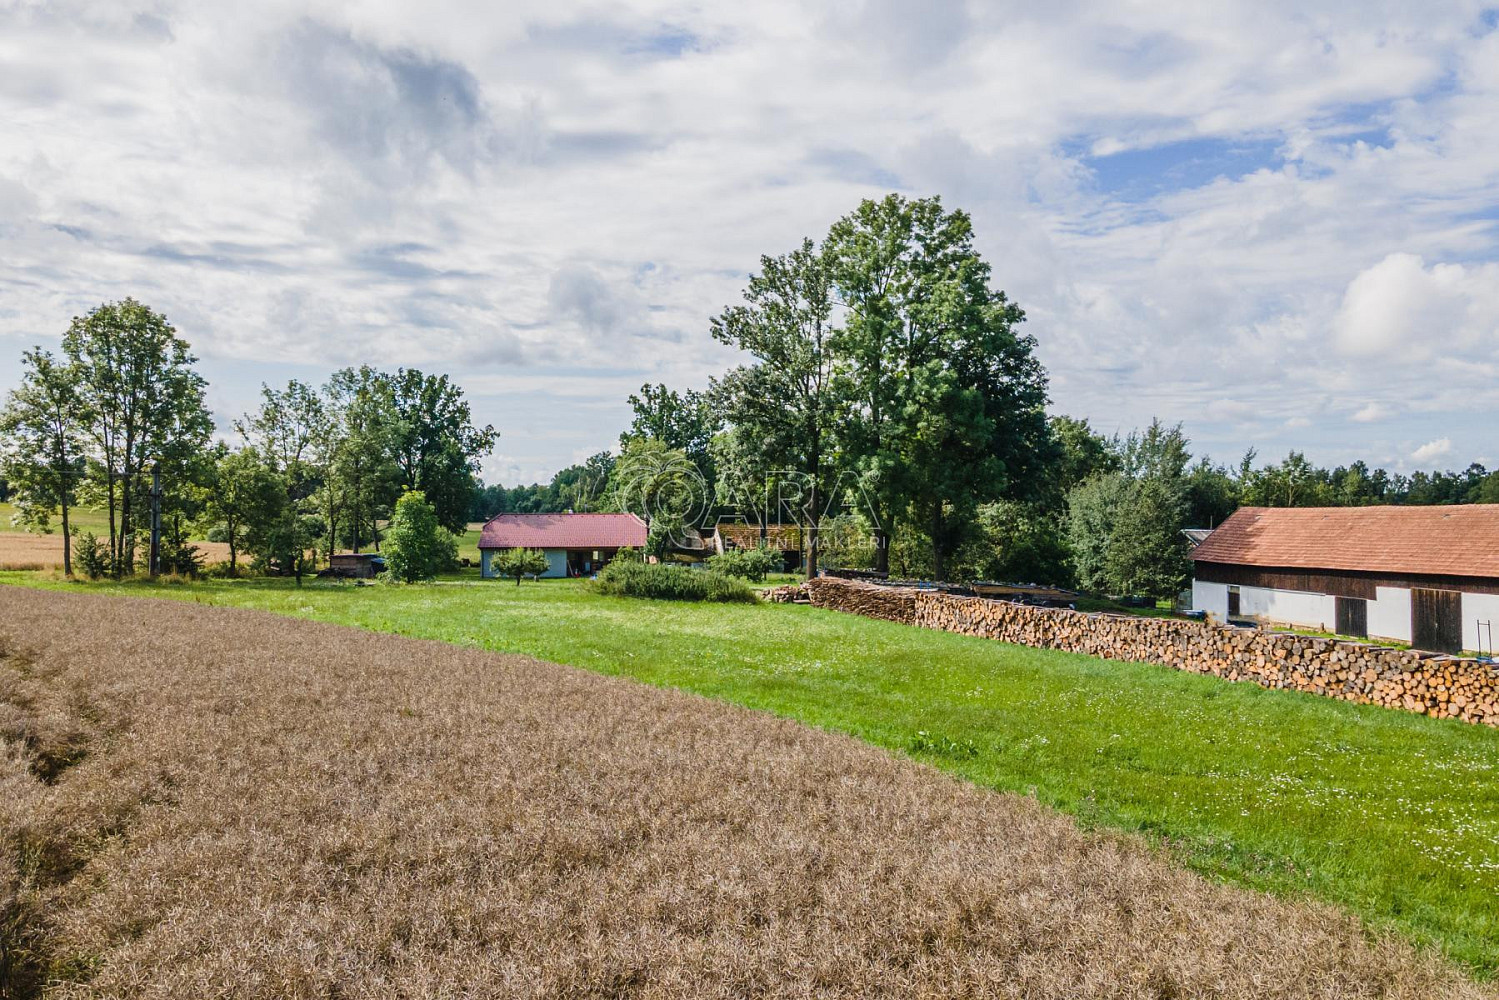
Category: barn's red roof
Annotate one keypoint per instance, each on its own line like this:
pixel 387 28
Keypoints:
pixel 562 531
pixel 1456 540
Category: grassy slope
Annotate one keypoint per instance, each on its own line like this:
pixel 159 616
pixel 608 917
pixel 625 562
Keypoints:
pixel 1394 816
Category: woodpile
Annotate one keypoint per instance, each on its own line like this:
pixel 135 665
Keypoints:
pixel 791 593
pixel 1441 686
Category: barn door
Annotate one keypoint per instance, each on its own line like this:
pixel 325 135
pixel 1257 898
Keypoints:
pixel 1233 603
pixel 1437 620
pixel 1353 617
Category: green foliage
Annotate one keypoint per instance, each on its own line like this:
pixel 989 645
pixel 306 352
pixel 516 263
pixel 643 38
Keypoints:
pixel 519 563
pixel 180 558
pixel 684 422
pixel 747 564
pixel 417 546
pixel 1019 543
pixel 671 583
pixel 245 504
pixel 1092 508
pixel 434 443
pixel 41 445
pixel 142 404
pixel 1147 553
pixel 92 554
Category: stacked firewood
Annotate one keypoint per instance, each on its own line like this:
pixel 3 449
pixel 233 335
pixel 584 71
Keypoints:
pixel 791 593
pixel 893 604
pixel 1443 686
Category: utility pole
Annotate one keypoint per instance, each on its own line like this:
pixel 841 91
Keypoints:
pixel 156 517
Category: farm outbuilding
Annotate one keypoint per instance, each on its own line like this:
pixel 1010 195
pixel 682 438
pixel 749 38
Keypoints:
pixel 1428 576
pixel 575 544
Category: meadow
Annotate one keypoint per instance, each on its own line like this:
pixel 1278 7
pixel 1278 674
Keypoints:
pixel 1391 816
pixel 200 801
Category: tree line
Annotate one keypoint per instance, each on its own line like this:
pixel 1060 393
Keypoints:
pixel 888 404
pixel 313 470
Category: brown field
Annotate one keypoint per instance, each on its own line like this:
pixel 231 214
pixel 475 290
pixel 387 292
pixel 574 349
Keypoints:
pixel 20 550
pixel 207 802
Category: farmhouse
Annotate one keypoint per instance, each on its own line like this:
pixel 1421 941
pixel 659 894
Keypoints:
pixel 575 544
pixel 1428 576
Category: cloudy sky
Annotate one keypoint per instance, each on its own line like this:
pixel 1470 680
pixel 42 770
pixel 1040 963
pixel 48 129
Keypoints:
pixel 1275 222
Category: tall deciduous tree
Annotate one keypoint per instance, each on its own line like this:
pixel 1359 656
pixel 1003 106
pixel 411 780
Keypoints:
pixel 42 455
pixel 785 398
pixel 144 404
pixel 418 546
pixel 245 501
pixel 944 399
pixel 684 421
pixel 434 442
pixel 361 450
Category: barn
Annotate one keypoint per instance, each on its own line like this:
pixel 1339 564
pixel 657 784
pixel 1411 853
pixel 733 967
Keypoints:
pixel 1428 576
pixel 575 544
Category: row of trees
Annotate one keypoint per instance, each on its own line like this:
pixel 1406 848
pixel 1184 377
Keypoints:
pixel 314 470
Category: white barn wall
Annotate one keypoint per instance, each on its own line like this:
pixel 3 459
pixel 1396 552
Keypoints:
pixel 1210 597
pixel 1476 608
pixel 1390 614
pixel 556 563
pixel 1290 607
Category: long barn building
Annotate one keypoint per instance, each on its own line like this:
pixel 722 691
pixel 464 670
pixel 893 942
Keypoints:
pixel 1428 576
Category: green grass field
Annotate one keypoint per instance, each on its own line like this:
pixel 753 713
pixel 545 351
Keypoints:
pixel 1390 815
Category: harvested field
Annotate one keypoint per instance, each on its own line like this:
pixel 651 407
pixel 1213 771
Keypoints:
pixel 296 809
pixel 20 550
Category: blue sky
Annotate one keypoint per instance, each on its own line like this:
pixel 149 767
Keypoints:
pixel 1274 222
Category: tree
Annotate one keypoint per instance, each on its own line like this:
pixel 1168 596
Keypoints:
pixel 1092 513
pixel 1147 553
pixel 285 431
pixel 942 401
pixel 663 487
pixel 1018 542
pixel 357 448
pixel 434 442
pixel 683 421
pixel 245 504
pixel 582 487
pixel 520 562
pixel 785 399
pixel 42 455
pixel 144 404
pixel 1080 454
pixel 418 547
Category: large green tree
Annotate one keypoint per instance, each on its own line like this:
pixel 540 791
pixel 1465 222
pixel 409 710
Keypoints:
pixel 41 444
pixel 942 400
pixel 685 421
pixel 359 452
pixel 784 398
pixel 144 404
pixel 244 504
pixel 419 547
pixel 434 442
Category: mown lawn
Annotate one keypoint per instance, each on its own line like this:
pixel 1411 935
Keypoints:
pixel 1394 816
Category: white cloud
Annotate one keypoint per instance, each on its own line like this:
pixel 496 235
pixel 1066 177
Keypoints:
pixel 1431 450
pixel 1371 412
pixel 510 191
pixel 1400 306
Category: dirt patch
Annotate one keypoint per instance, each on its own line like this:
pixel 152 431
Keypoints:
pixel 270 807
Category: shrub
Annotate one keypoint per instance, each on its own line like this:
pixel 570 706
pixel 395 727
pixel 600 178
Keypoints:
pixel 750 564
pixel 418 548
pixel 90 554
pixel 671 583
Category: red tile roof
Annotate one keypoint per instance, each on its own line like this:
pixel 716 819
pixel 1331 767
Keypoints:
pixel 562 531
pixel 1456 540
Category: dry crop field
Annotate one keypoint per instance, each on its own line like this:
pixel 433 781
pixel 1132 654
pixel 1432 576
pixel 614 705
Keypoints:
pixel 20 550
pixel 296 809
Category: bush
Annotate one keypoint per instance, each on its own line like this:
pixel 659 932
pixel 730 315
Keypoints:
pixel 671 583
pixel 750 564
pixel 90 554
pixel 417 547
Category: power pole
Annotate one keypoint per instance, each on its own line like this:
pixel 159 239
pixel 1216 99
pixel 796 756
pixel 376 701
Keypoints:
pixel 156 517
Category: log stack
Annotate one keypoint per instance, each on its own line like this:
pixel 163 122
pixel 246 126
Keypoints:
pixel 1366 673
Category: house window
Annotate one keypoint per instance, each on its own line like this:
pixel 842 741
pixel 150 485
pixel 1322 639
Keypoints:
pixel 1233 602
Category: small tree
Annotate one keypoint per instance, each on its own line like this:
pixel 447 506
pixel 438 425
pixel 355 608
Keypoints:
pixel 417 546
pixel 521 562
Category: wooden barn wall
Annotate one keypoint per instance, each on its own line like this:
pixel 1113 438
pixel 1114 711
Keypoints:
pixel 1338 583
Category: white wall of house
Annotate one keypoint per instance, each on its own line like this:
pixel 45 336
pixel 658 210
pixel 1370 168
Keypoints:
pixel 1290 607
pixel 1210 597
pixel 1477 608
pixel 1390 614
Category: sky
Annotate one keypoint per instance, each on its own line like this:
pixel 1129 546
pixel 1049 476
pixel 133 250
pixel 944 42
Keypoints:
pixel 1274 222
